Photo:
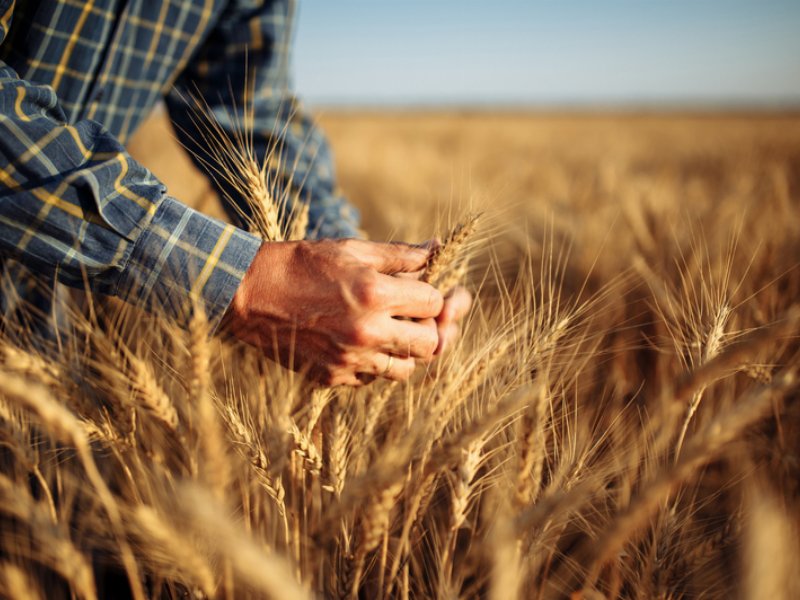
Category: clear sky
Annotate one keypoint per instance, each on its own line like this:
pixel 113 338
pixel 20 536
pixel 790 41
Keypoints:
pixel 548 51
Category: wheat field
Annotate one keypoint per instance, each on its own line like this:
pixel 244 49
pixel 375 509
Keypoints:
pixel 620 418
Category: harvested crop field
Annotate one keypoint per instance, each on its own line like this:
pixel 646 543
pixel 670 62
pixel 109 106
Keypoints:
pixel 621 417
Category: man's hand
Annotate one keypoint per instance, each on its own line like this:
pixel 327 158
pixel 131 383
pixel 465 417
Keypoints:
pixel 333 307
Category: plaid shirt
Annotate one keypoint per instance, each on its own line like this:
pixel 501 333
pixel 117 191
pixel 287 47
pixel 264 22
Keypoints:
pixel 76 79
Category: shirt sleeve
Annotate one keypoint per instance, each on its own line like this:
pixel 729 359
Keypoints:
pixel 75 206
pixel 249 50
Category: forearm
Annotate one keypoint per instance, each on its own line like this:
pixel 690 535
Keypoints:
pixel 74 205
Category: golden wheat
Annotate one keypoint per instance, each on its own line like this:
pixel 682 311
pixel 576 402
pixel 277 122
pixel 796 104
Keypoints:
pixel 619 418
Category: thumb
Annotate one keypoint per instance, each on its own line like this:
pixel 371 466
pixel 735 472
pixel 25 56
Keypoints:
pixel 396 257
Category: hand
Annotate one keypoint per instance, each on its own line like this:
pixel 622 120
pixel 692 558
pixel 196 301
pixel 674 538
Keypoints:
pixel 334 309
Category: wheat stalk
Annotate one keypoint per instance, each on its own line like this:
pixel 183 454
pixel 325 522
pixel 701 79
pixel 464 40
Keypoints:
pixel 532 450
pixel 337 451
pixel 304 448
pixel 252 451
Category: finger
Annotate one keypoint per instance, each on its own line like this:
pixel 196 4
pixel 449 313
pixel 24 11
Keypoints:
pixel 412 299
pixel 431 244
pixel 428 245
pixel 414 275
pixel 431 350
pixel 414 339
pixel 448 336
pixel 396 257
pixel 391 367
pixel 456 306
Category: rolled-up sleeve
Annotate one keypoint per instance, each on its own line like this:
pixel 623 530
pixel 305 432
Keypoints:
pixel 183 254
pixel 75 206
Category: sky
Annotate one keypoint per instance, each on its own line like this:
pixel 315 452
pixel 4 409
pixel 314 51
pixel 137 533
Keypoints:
pixel 548 52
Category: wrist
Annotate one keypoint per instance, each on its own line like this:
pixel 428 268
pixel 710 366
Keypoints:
pixel 263 290
pixel 182 257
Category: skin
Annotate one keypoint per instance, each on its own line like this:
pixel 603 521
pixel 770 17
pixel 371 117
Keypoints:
pixel 338 309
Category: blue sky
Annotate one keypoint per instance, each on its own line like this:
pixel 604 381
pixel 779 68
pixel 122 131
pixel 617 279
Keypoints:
pixel 548 52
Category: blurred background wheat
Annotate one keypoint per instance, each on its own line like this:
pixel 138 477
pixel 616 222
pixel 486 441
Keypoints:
pixel 620 418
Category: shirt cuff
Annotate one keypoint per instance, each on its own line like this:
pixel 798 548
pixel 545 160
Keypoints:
pixel 184 257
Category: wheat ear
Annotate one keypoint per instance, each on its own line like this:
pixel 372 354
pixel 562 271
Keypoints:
pixel 210 436
pixel 265 218
pixel 30 365
pixel 299 224
pixel 443 256
pixel 151 395
pixel 711 347
pixel 250 449
pixel 337 442
pixel 532 450
pixel 304 447
pixel 199 334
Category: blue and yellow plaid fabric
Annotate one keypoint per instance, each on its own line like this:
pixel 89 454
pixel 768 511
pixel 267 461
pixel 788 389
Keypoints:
pixel 78 77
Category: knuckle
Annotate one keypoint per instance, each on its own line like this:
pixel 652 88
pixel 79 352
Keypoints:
pixel 310 251
pixel 366 290
pixel 349 246
pixel 345 244
pixel 360 334
pixel 429 342
pixel 430 345
pixel 435 300
pixel 348 359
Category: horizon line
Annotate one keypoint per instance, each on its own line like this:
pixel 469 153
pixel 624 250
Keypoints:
pixel 721 106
